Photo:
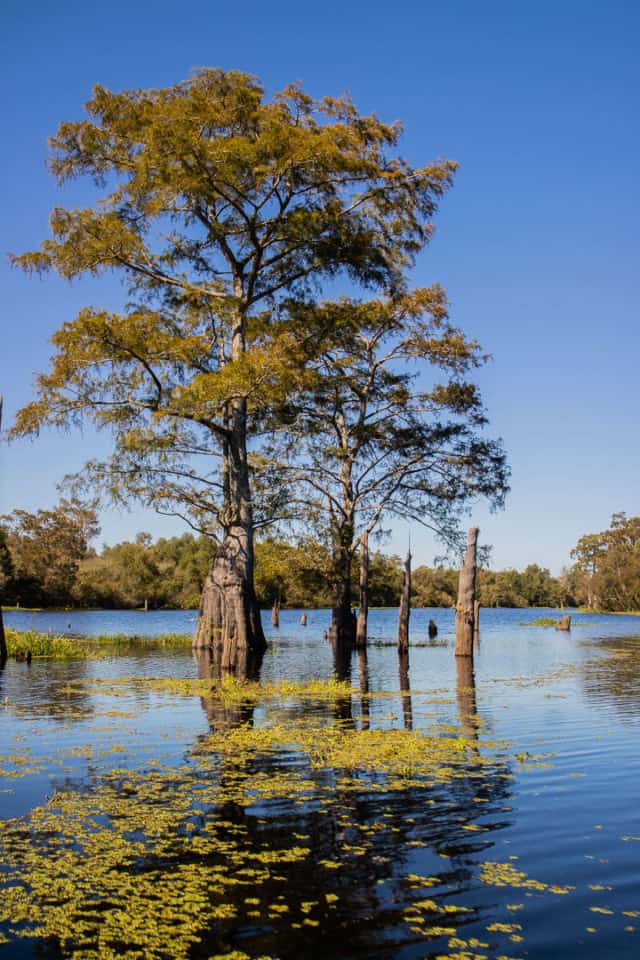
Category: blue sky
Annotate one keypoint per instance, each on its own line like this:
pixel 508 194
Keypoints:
pixel 536 244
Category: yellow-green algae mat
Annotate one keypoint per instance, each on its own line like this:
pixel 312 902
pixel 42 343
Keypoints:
pixel 176 859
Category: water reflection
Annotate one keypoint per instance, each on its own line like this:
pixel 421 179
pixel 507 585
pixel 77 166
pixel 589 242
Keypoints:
pixel 612 677
pixel 405 689
pixel 220 711
pixel 363 677
pixel 312 856
pixel 43 689
pixel 360 837
pixel 466 700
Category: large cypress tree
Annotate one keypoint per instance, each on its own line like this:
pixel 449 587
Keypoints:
pixel 216 204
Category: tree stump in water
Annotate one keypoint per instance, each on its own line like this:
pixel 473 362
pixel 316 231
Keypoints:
pixel 363 609
pixel 432 630
pixel 303 620
pixel 405 607
pixel 465 608
pixel 565 623
pixel 275 612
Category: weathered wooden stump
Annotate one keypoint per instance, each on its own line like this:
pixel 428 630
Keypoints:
pixel 432 630
pixel 405 606
pixel 465 608
pixel 275 613
pixel 565 623
pixel 303 620
pixel 363 609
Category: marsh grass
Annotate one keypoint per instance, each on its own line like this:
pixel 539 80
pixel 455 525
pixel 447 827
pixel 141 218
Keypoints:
pixel 41 645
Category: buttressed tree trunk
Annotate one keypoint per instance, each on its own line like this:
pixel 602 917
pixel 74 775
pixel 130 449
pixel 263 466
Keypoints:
pixel 229 615
pixel 465 608
pixel 405 607
pixel 363 608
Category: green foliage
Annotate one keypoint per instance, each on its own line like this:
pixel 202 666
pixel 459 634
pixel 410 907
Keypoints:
pixel 606 572
pixel 40 552
pixel 217 206
pixel 170 573
pixel 388 421
pixel 20 643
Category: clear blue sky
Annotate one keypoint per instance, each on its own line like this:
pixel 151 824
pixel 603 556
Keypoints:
pixel 537 244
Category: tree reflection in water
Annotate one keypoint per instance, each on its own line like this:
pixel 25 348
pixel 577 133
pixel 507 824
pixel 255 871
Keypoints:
pixel 405 689
pixel 365 842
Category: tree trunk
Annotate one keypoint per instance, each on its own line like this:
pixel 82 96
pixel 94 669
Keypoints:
pixel 363 608
pixel 229 615
pixel 565 623
pixel 275 612
pixel 229 612
pixel 465 609
pixel 405 607
pixel 303 620
pixel 343 627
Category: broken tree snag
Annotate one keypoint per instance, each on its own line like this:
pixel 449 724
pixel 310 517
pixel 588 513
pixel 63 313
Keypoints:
pixel 465 608
pixel 363 609
pixel 432 630
pixel 275 612
pixel 405 606
pixel 565 623
pixel 303 620
pixel 476 624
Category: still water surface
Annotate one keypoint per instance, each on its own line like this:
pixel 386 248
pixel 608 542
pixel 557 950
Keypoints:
pixel 531 848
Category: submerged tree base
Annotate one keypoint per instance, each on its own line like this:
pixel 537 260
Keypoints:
pixel 229 618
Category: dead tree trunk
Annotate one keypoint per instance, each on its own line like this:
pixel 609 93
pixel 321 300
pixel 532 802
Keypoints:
pixel 465 608
pixel 363 609
pixel 476 624
pixel 3 639
pixel 565 623
pixel 405 607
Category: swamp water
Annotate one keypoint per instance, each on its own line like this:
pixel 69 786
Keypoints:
pixel 410 810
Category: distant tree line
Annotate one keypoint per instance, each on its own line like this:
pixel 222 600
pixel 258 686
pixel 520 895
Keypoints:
pixel 46 559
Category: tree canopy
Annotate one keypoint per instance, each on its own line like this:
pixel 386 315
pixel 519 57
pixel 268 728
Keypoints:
pixel 606 573
pixel 217 205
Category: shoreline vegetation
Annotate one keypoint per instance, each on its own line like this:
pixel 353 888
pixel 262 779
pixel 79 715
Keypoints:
pixel 40 645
